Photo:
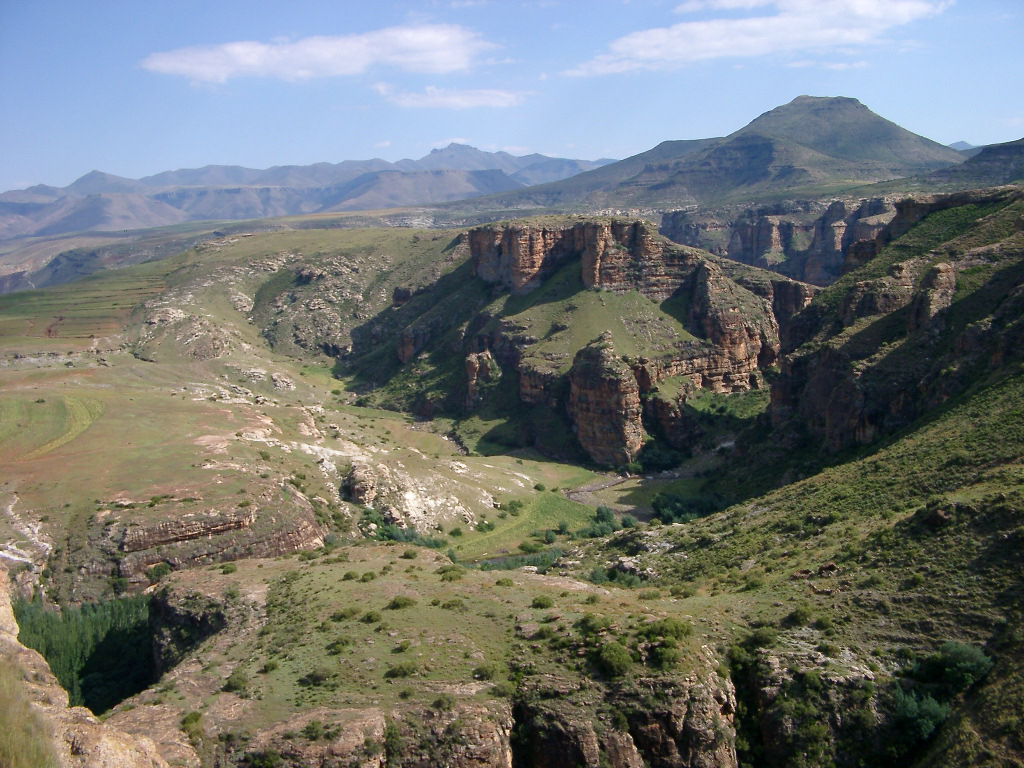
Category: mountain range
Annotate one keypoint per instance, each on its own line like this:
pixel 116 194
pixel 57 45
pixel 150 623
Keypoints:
pixel 810 145
pixel 101 201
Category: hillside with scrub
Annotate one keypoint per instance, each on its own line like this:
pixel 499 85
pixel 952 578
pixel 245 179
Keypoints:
pixel 541 492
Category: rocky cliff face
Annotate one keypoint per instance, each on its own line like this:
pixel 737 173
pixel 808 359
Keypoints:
pixel 217 537
pixel 691 726
pixel 804 240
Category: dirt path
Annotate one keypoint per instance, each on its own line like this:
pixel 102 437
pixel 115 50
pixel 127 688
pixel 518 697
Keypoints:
pixel 587 493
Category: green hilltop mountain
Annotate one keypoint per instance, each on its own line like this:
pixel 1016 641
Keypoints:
pixel 809 142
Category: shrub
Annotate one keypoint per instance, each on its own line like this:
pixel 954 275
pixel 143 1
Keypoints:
pixel 316 677
pixel 800 616
pixel 670 627
pixel 370 617
pixel 504 583
pixel 484 672
pixel 542 602
pixel 955 668
pixel 401 601
pixel 613 659
pixel 665 656
pixel 410 554
pixel 444 702
pixel 237 682
pixel 592 624
pixel 401 669
pixel 158 571
pixel 313 730
pixel 504 689
pixel 451 572
pixel 335 646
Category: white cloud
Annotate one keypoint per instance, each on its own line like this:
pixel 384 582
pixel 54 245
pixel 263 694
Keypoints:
pixel 426 48
pixel 792 26
pixel 446 98
pixel 839 65
pixel 695 6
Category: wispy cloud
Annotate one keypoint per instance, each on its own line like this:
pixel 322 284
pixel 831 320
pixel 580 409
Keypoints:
pixel 425 48
pixel 445 98
pixel 780 27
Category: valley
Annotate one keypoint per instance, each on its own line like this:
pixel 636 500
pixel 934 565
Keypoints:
pixel 735 484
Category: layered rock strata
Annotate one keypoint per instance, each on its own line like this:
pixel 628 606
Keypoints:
pixel 846 387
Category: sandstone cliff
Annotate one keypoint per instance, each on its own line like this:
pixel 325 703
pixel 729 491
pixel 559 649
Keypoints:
pixel 604 403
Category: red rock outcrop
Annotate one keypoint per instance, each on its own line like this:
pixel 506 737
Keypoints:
pixel 604 404
pixel 734 311
pixel 519 256
pixel 219 537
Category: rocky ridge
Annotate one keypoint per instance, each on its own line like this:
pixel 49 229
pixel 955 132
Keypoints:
pixel 888 345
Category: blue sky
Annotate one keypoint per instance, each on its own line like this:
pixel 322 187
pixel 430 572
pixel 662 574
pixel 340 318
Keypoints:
pixel 138 87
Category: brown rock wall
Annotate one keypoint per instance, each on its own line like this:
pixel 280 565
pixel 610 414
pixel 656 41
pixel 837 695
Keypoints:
pixel 604 404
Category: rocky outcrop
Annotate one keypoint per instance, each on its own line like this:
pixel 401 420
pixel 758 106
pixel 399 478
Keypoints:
pixel 604 404
pixel 217 537
pixel 80 740
pixel 614 255
pixel 519 256
pixel 169 531
pixel 737 315
pixel 419 502
pixel 934 295
pixel 911 211
pixel 689 726
pixel 480 367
